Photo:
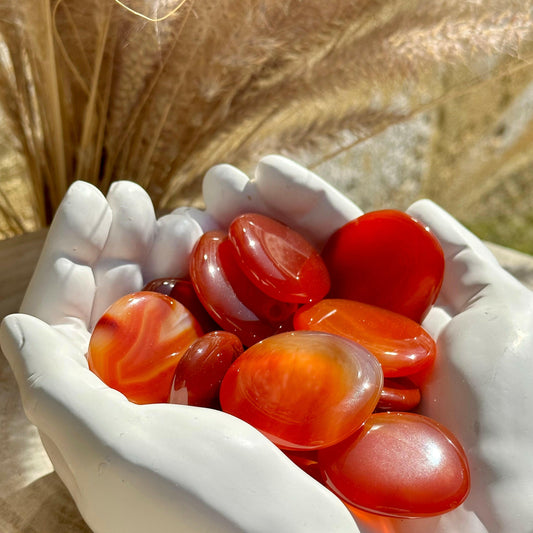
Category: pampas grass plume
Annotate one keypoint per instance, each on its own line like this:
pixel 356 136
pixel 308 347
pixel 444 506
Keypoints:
pixel 157 92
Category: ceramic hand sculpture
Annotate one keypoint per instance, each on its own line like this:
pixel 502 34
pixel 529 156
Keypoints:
pixel 483 322
pixel 479 389
pixel 171 467
pixel 137 468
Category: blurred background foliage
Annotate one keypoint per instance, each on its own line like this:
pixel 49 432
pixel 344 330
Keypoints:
pixel 388 100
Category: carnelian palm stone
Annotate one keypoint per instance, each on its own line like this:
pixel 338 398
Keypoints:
pixel 401 345
pixel 137 343
pixel 303 389
pixel 387 259
pixel 398 464
pixel 278 260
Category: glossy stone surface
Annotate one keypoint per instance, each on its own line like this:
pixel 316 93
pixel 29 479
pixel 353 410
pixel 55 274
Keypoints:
pixel 72 409
pixel 303 389
pixel 401 345
pixel 388 259
pixel 200 370
pixel 398 394
pixel 278 260
pixel 183 291
pixel 234 302
pixel 398 464
pixel 137 343
pixel 161 285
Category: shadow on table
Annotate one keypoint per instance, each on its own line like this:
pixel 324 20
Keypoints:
pixel 43 506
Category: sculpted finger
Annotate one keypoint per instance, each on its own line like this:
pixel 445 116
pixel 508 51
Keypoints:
pixel 33 348
pixel 281 189
pixel 204 470
pixel 201 217
pixel 118 270
pixel 436 320
pixel 75 240
pixel 228 193
pixel 303 200
pixel 133 223
pixel 471 271
pixel 176 234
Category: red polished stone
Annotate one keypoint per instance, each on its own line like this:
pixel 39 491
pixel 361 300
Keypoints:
pixel 398 464
pixel 235 303
pixel 137 343
pixel 184 292
pixel 388 259
pixel 303 389
pixel 398 394
pixel 200 370
pixel 401 345
pixel 278 260
pixel 161 285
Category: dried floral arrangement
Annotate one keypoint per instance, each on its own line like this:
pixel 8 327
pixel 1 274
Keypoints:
pixel 159 91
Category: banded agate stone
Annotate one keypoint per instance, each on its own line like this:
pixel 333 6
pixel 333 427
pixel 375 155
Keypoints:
pixel 303 389
pixel 137 343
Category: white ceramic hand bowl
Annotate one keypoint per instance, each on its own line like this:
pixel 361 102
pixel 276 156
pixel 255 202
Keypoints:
pixel 168 468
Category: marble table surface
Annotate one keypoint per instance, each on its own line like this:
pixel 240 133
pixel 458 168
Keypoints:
pixel 32 497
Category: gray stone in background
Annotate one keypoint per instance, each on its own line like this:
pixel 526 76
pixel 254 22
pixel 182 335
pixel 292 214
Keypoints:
pixel 387 170
pixel 472 155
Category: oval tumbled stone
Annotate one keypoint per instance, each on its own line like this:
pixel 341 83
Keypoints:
pixel 398 464
pixel 401 345
pixel 303 389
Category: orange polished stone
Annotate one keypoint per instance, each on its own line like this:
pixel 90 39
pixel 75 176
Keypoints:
pixel 303 389
pixel 398 394
pixel 278 260
pixel 231 299
pixel 202 367
pixel 137 343
pixel 388 259
pixel 401 345
pixel 398 464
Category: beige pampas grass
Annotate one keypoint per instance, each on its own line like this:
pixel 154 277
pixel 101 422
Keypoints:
pixel 158 91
